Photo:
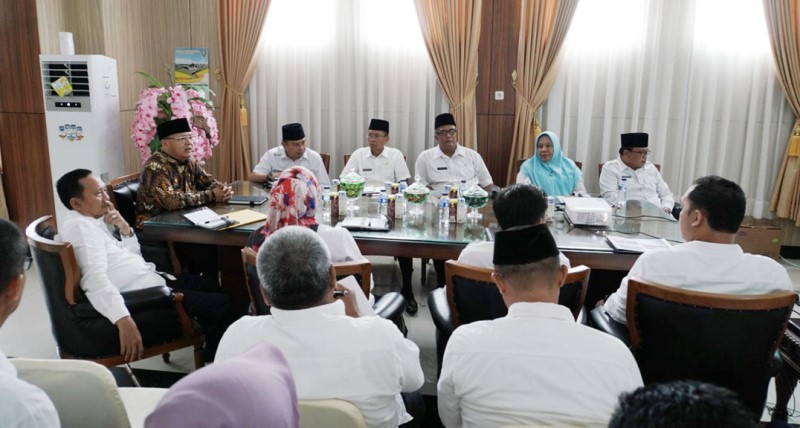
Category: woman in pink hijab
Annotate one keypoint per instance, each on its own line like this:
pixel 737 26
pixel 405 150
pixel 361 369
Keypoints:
pixel 255 389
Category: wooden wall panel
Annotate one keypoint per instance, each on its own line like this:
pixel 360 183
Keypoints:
pixel 84 19
pixel 19 58
pixel 26 172
pixel 497 58
pixel 50 15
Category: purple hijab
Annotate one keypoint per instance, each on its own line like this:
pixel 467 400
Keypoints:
pixel 255 389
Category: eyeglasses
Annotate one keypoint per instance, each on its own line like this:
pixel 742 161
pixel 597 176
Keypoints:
pixel 184 138
pixel 644 153
pixel 28 262
pixel 443 133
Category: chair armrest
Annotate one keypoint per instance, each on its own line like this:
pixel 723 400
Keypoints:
pixel 136 301
pixel 602 321
pixel 440 311
pixel 390 305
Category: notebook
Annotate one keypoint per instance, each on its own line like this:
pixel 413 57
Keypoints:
pixel 251 200
pixel 366 223
pixel 208 219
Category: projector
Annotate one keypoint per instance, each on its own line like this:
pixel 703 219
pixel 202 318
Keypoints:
pixel 588 211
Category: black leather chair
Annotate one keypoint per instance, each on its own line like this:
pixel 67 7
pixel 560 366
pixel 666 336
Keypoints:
pixel 727 340
pixel 123 193
pixel 83 333
pixel 389 306
pixel 472 296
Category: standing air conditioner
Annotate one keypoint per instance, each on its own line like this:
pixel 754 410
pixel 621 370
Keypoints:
pixel 83 124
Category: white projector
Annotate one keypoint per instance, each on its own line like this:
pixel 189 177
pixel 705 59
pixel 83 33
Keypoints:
pixel 588 211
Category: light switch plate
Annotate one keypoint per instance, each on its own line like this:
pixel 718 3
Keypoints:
pixel 499 95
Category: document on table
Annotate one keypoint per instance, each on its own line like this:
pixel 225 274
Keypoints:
pixel 208 219
pixel 636 245
pixel 366 223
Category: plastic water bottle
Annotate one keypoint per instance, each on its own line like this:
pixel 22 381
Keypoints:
pixel 551 209
pixel 403 186
pixel 461 188
pixel 622 189
pixel 383 203
pixel 444 210
pixel 326 204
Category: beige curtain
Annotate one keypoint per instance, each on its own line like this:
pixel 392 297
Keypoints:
pixel 783 17
pixel 543 28
pixel 452 29
pixel 240 25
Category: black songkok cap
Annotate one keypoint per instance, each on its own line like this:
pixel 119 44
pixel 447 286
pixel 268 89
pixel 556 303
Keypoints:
pixel 444 119
pixel 379 125
pixel 293 132
pixel 524 244
pixel 175 126
pixel 634 139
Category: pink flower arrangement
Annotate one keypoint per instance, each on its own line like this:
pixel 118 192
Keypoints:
pixel 158 104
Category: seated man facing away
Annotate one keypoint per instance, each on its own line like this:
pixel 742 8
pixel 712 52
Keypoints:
pixel 686 404
pixel 22 405
pixel 291 152
pixel 361 359
pixel 516 205
pixel 110 266
pixel 254 390
pixel 643 180
pixel 709 260
pixel 536 365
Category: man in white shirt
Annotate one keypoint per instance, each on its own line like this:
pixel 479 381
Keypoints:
pixel 515 205
pixel 21 404
pixel 536 366
pixel 449 163
pixel 333 352
pixel 109 266
pixel 642 179
pixel 377 163
pixel 291 152
pixel 709 260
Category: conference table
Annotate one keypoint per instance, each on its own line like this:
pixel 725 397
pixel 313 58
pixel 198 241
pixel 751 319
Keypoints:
pixel 421 237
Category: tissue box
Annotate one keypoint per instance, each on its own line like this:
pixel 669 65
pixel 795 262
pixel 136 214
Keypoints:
pixel 764 240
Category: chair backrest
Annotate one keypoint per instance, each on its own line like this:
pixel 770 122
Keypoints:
pixel 259 306
pixel 473 296
pixel 727 340
pixel 326 160
pixel 330 414
pixel 123 191
pixel 346 158
pixel 600 168
pixel 84 393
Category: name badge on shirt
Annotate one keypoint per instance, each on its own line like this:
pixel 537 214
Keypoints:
pixel 441 168
pixel 366 169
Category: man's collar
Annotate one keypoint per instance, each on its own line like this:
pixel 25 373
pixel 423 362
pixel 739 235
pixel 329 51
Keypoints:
pixel 171 159
pixel 439 153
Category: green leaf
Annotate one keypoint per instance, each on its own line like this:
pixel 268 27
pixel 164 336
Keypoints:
pixel 154 83
pixel 155 144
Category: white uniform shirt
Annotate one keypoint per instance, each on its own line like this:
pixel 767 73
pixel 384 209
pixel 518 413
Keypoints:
pixel 275 160
pixel 435 169
pixel 643 184
pixel 107 266
pixel 481 254
pixel 23 405
pixel 535 366
pixel 389 166
pixel 363 360
pixel 706 267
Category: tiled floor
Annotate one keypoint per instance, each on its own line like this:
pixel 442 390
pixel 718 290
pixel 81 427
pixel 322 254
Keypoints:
pixel 27 332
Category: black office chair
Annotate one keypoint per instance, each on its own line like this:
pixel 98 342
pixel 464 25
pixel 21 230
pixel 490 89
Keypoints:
pixel 83 333
pixel 389 306
pixel 727 340
pixel 472 296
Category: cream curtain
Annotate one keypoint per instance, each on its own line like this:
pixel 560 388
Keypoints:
pixel 543 28
pixel 782 22
pixel 240 26
pixel 452 29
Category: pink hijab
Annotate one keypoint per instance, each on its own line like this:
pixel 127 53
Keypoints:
pixel 255 389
